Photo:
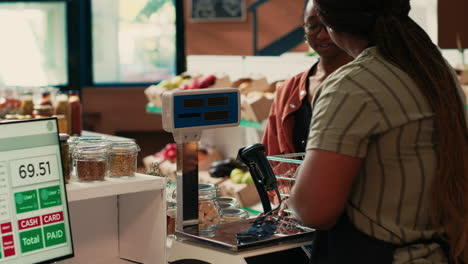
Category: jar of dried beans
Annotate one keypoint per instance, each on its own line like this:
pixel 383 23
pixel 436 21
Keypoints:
pixel 123 158
pixel 91 161
pixel 208 216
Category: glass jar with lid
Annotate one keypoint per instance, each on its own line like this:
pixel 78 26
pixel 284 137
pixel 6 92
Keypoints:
pixel 62 108
pixel 230 215
pixel 223 206
pixel 93 140
pixel 41 111
pixel 73 141
pixel 27 104
pixel 91 161
pixel 227 202
pixel 123 158
pixel 46 98
pixel 64 153
pixel 208 211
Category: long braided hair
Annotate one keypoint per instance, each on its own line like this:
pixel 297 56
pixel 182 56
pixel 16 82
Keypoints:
pixel 386 24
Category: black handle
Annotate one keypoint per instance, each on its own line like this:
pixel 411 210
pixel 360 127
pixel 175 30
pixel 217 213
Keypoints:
pixel 254 157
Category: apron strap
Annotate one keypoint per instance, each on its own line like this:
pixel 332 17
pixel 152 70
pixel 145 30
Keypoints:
pixel 344 243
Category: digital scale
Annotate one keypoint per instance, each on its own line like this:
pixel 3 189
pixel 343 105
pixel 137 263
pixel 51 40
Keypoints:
pixel 185 114
pixel 34 218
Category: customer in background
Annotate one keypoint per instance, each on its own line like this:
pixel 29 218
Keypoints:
pixel 385 176
pixel 290 114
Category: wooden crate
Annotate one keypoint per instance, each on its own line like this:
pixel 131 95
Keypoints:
pixel 246 194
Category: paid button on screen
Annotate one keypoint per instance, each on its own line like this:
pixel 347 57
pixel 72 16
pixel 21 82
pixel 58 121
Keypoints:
pixel 54 235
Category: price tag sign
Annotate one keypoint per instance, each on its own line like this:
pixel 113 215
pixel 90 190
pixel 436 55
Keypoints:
pixel 34 218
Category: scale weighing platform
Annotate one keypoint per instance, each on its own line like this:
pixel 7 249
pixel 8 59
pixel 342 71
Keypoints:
pixel 186 113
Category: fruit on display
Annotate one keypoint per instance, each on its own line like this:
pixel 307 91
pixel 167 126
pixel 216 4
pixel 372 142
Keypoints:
pixel 207 81
pixel 223 168
pixel 236 175
pixel 257 94
pixel 175 82
pixel 169 152
pixel 9 105
pixel 200 83
pixel 241 176
pixel 247 178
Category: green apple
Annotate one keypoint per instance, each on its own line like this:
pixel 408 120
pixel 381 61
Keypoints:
pixel 165 84
pixel 177 80
pixel 236 175
pixel 247 178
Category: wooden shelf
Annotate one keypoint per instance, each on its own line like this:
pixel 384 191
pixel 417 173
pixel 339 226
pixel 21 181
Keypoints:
pixel 77 191
pixel 244 123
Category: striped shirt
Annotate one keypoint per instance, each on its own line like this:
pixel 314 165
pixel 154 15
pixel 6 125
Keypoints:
pixel 371 109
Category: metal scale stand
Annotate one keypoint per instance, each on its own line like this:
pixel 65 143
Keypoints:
pixel 185 114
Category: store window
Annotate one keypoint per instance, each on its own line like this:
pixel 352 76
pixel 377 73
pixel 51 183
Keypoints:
pixel 424 12
pixel 134 41
pixel 33 46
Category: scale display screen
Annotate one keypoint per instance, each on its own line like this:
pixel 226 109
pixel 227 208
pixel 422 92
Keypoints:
pixel 201 110
pixel 34 219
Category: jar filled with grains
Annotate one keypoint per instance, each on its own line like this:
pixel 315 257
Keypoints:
pixel 74 141
pixel 208 216
pixel 123 158
pixel 91 161
pixel 64 151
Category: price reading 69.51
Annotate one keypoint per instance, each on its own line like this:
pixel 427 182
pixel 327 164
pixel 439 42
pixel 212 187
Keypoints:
pixel 29 170
pixel 34 170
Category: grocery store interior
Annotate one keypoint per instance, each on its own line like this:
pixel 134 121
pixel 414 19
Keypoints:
pixel 101 68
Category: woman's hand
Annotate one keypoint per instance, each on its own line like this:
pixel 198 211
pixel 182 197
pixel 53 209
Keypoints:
pixel 284 206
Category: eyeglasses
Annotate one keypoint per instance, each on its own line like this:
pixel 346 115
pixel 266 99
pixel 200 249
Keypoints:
pixel 313 29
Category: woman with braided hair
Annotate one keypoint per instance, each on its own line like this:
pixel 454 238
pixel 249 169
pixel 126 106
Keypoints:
pixel 385 176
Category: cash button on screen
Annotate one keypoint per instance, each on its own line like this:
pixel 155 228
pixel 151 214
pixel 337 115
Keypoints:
pixel 29 223
pixel 31 240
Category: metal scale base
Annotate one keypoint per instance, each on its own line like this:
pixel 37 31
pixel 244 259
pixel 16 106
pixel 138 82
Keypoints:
pixel 223 247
